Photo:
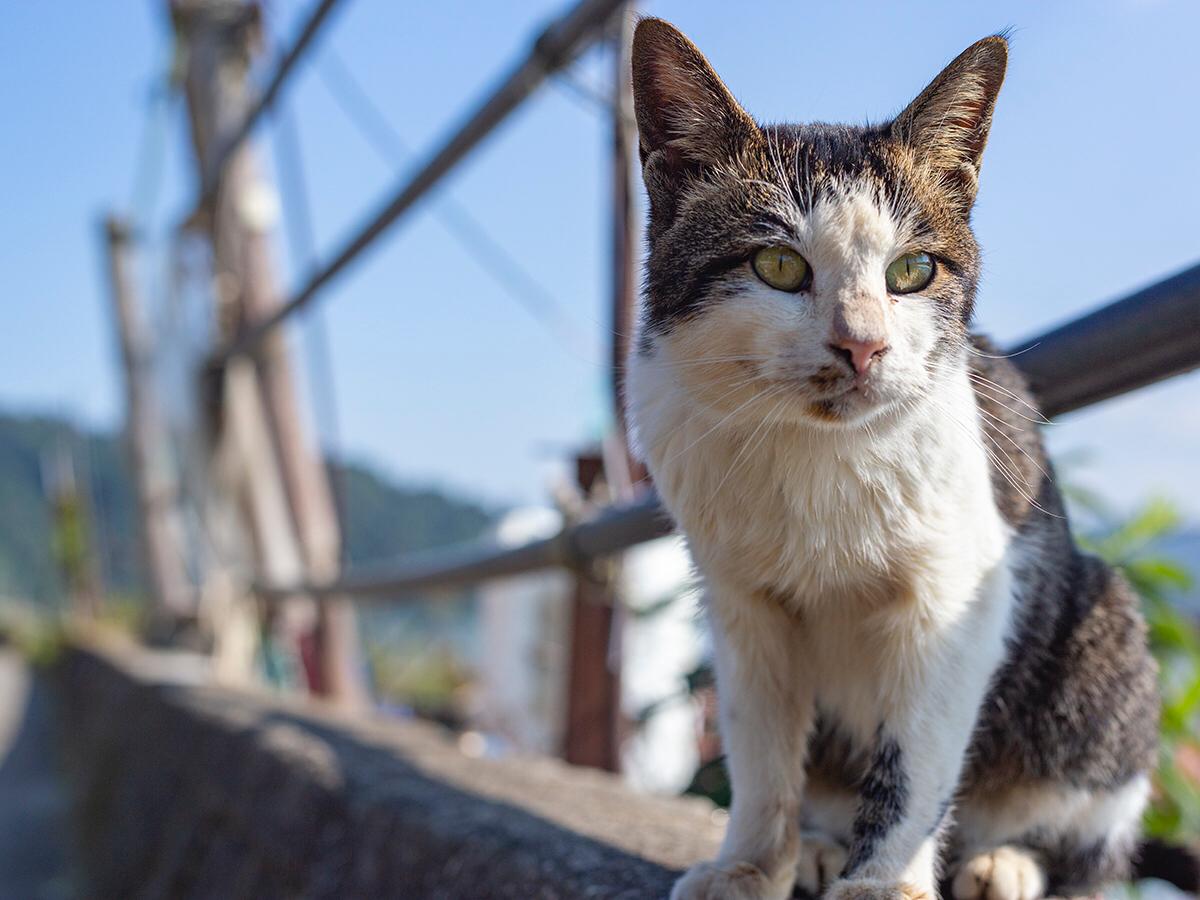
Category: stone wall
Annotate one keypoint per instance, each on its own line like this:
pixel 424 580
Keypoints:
pixel 186 790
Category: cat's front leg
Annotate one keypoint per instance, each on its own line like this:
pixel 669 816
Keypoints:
pixel 938 662
pixel 766 713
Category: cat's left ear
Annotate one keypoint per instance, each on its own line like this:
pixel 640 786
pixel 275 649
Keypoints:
pixel 947 125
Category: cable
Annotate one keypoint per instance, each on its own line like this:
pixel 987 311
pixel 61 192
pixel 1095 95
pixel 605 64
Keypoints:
pixel 148 163
pixel 517 281
pixel 586 95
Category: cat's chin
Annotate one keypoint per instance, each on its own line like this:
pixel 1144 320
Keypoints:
pixel 852 409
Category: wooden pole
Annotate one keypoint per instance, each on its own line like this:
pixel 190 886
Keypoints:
pixel 220 39
pixel 154 485
pixel 625 236
pixel 593 670
pixel 594 675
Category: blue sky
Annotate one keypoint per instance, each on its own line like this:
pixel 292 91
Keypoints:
pixel 1090 188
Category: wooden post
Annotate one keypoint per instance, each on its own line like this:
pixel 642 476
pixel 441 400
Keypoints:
pixel 626 476
pixel 220 36
pixel 154 485
pixel 594 672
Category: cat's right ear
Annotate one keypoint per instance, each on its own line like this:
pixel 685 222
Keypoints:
pixel 684 111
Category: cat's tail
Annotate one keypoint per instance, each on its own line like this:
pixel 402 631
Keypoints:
pixel 1177 864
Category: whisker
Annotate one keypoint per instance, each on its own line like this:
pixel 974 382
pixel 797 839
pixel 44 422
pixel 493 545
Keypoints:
pixel 980 379
pixel 1004 434
pixel 1009 471
pixel 746 446
pixel 977 352
pixel 759 396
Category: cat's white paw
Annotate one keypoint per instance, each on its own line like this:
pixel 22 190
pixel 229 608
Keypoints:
pixel 1006 873
pixel 727 881
pixel 821 861
pixel 870 889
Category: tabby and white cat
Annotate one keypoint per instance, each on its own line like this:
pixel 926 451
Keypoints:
pixel 920 675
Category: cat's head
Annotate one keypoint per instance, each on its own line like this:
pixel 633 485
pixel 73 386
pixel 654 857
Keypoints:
pixel 820 273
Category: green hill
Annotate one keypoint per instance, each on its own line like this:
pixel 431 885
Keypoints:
pixel 384 519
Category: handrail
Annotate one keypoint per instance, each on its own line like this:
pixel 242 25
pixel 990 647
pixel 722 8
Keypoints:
pixel 1152 334
pixel 557 45
pixel 613 529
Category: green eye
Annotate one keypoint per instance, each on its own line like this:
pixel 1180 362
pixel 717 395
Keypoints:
pixel 782 268
pixel 910 272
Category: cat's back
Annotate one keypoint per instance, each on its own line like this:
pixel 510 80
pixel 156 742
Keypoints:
pixel 1076 701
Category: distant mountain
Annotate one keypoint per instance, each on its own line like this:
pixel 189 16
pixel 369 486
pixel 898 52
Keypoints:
pixel 384 519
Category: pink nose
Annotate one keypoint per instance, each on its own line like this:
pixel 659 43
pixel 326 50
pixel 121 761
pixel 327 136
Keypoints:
pixel 859 354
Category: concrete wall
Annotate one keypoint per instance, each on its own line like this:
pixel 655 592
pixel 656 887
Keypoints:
pixel 185 790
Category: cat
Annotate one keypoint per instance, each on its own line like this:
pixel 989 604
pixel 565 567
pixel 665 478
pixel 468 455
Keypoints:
pixel 922 680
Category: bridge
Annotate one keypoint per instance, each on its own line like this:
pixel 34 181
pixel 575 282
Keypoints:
pixel 167 771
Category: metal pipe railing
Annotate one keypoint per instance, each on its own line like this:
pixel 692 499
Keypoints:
pixel 1148 336
pixel 1145 337
pixel 557 45
pixel 612 530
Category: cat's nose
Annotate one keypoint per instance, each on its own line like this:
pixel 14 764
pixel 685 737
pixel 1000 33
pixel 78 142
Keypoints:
pixel 859 354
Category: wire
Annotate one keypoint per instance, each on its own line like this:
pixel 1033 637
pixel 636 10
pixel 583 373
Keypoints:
pixel 146 183
pixel 516 280
pixel 587 95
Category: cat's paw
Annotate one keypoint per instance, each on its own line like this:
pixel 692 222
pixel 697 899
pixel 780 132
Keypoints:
pixel 727 881
pixel 870 889
pixel 1006 873
pixel 821 861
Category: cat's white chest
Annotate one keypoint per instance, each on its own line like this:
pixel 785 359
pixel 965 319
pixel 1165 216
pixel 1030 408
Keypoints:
pixel 813 518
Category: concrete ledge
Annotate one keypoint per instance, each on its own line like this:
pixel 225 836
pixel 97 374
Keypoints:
pixel 185 790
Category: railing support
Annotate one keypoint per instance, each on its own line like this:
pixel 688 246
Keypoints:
pixel 555 48
pixel 1145 337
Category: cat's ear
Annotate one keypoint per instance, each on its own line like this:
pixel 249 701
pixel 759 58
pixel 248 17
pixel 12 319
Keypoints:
pixel 947 125
pixel 684 110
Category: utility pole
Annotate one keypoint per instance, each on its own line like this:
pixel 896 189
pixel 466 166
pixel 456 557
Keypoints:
pixel 625 243
pixel 220 37
pixel 593 730
pixel 154 486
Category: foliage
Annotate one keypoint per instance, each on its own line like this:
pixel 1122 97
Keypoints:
pixel 28 540
pixel 430 681
pixel 37 636
pixel 383 519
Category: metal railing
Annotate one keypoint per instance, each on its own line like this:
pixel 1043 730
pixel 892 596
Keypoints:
pixel 553 49
pixel 1145 337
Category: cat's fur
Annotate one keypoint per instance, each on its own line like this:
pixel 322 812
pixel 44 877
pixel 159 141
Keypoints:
pixel 920 675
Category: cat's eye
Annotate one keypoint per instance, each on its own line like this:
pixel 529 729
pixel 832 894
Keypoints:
pixel 910 272
pixel 782 268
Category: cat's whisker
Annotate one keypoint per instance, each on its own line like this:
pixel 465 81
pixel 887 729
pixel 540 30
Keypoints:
pixel 746 445
pixel 975 351
pixel 1008 470
pixel 724 419
pixel 990 389
pixel 1003 432
pixel 980 379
